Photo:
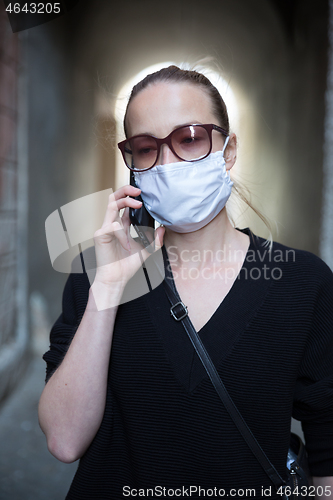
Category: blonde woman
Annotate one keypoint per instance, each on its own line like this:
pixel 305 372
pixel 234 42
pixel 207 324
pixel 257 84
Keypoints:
pixel 126 393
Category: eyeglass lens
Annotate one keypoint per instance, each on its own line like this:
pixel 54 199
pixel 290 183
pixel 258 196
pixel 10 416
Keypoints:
pixel 189 143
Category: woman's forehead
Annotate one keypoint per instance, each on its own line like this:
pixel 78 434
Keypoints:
pixel 164 105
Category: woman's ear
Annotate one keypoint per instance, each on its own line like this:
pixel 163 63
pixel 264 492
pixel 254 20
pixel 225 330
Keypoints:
pixel 230 154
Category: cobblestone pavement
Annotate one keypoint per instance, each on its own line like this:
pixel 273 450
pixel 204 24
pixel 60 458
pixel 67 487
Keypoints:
pixel 27 470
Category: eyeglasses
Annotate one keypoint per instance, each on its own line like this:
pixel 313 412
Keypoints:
pixel 188 143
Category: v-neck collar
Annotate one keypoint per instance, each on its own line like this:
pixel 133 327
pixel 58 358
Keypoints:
pixel 223 328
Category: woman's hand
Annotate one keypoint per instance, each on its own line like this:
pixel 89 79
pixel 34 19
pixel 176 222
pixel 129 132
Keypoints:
pixel 117 253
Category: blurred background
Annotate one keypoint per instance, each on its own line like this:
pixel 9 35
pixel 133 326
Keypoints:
pixel 62 87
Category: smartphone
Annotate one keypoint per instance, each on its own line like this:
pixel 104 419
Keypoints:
pixel 142 221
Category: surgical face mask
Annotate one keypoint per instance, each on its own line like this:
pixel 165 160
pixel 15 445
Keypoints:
pixel 185 196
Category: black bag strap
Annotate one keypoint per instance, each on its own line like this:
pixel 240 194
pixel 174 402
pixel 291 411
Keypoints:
pixel 178 311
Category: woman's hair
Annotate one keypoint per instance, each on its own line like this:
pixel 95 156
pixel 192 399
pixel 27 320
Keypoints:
pixel 174 74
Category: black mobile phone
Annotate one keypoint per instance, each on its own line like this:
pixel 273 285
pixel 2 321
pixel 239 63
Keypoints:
pixel 142 221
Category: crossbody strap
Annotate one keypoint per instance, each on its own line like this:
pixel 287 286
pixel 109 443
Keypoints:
pixel 179 312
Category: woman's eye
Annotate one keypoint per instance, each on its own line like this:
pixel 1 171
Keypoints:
pixel 190 140
pixel 145 151
pixel 144 148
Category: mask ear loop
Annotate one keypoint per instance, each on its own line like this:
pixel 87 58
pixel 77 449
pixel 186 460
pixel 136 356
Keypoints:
pixel 225 145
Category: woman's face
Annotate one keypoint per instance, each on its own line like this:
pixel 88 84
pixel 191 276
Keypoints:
pixel 162 107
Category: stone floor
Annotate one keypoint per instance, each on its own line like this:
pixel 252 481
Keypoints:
pixel 27 470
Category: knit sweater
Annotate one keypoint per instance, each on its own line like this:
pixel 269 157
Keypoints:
pixel 165 432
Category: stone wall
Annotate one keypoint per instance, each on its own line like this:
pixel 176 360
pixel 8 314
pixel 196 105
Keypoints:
pixel 13 270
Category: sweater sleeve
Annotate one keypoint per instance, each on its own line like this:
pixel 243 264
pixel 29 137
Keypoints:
pixel 74 301
pixel 313 398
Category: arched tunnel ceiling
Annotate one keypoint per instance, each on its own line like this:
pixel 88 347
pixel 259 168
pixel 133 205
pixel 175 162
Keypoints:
pixel 118 39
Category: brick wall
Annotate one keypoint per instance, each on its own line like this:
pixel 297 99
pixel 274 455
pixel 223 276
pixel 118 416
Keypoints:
pixel 11 346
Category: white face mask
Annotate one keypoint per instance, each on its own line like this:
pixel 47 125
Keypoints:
pixel 185 196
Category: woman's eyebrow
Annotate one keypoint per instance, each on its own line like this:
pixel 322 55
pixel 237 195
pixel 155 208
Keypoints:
pixel 174 128
pixel 188 124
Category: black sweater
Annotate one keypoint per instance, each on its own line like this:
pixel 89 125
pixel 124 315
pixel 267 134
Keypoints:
pixel 164 425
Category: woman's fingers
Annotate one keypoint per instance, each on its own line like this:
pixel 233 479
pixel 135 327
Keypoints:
pixel 114 205
pixel 113 241
pixel 126 220
pixel 116 230
pixel 110 231
pixel 126 191
pixel 122 236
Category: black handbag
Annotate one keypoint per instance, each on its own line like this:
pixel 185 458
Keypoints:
pixel 297 481
pixel 299 477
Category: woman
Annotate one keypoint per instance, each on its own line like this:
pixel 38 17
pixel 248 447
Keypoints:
pixel 145 416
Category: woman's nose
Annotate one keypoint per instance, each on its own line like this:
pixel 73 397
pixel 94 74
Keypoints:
pixel 166 156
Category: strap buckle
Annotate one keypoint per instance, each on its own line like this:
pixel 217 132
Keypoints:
pixel 181 313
